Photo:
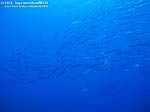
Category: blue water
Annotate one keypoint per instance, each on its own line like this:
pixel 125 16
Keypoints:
pixel 76 56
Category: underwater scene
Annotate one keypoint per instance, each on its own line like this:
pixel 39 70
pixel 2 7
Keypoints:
pixel 75 56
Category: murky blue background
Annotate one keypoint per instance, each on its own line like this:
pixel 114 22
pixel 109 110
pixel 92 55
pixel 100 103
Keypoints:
pixel 76 56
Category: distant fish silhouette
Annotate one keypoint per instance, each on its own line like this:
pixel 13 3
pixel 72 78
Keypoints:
pixel 75 22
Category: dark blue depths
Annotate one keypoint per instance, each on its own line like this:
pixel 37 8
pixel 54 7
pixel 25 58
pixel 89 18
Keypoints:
pixel 76 56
